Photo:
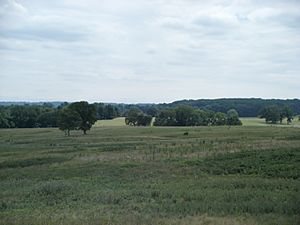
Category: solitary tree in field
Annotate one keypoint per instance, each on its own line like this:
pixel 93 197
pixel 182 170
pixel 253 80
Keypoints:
pixel 68 120
pixel 87 113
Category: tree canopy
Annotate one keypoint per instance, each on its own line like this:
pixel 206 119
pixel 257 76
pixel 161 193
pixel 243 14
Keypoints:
pixel 135 117
pixel 68 120
pixel 87 113
pixel 188 116
pixel 274 114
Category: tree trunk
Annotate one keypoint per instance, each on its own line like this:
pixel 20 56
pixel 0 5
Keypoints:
pixel 84 132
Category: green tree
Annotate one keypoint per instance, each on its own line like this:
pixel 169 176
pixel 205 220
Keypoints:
pixel 144 120
pixel 100 110
pixel 24 116
pixel 87 113
pixel 233 117
pixel 152 111
pixel 184 115
pixel 110 112
pixel 202 118
pixel 271 114
pixel 132 116
pixel 135 117
pixel 48 119
pixel 106 111
pixel 5 120
pixel 220 119
pixel 286 112
pixel 68 119
pixel 165 118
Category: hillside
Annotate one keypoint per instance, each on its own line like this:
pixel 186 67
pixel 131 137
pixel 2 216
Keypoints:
pixel 246 107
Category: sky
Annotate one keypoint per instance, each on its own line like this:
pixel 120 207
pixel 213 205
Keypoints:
pixel 148 51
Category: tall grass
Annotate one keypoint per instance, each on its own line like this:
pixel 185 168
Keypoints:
pixel 114 175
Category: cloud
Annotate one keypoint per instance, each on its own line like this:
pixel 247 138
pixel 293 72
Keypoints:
pixel 11 6
pixel 148 50
pixel 40 34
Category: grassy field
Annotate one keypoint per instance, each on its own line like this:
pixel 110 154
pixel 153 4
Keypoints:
pixel 127 175
pixel 253 121
pixel 117 122
pixel 247 121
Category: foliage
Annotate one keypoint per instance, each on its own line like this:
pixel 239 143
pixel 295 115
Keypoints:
pixel 246 107
pixel 5 120
pixel 68 120
pixel 48 119
pixel 28 116
pixel 219 119
pixel 184 116
pixel 188 116
pixel 152 111
pixel 87 114
pixel 274 114
pixel 233 117
pixel 271 114
pixel 286 112
pixel 166 117
pixel 106 111
pixel 136 117
pixel 23 115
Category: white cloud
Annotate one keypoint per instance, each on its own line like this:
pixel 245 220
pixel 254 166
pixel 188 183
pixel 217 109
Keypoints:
pixel 11 6
pixel 148 51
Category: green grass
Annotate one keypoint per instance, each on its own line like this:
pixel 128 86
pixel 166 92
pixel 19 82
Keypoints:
pixel 120 121
pixel 247 121
pixel 272 163
pixel 153 175
pixel 253 121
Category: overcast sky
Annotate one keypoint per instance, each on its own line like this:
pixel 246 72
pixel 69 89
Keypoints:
pixel 148 50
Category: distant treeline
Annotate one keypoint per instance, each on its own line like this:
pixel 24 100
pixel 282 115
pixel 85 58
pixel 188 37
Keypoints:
pixel 45 115
pixel 73 116
pixel 183 116
pixel 27 115
pixel 246 107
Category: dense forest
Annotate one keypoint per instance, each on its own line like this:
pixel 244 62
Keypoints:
pixel 246 107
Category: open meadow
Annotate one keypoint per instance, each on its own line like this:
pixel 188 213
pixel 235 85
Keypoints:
pixel 247 121
pixel 151 175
